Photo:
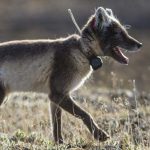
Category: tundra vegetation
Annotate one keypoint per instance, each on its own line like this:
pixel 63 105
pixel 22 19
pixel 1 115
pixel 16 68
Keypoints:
pixel 123 113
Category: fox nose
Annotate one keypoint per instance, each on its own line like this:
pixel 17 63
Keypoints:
pixel 139 45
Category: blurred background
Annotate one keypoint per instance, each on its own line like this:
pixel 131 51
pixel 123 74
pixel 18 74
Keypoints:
pixel 49 19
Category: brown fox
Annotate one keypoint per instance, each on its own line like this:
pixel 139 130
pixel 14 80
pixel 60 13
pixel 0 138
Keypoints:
pixel 59 67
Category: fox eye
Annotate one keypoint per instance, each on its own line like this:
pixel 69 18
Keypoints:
pixel 117 31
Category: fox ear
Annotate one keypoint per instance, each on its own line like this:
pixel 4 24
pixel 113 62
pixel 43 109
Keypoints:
pixel 109 11
pixel 102 18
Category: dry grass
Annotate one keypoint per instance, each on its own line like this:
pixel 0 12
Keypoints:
pixel 124 114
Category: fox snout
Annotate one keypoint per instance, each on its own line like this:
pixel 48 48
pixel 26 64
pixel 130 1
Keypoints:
pixel 133 44
pixel 139 45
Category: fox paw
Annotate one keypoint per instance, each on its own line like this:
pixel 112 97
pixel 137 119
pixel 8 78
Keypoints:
pixel 101 135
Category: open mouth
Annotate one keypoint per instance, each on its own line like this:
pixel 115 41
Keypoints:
pixel 119 56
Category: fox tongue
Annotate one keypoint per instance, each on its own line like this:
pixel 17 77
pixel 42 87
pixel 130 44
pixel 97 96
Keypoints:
pixel 119 56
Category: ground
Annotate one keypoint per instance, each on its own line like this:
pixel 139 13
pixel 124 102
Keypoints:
pixel 124 114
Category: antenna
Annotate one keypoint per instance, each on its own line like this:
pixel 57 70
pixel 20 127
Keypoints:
pixel 74 21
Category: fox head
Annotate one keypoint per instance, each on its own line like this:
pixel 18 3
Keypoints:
pixel 111 37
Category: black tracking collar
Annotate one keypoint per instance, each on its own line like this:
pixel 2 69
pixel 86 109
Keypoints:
pixel 96 62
